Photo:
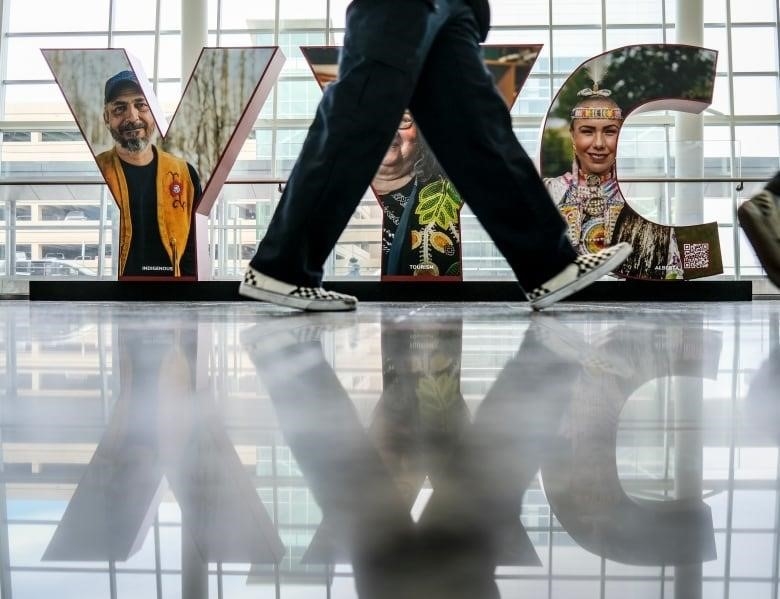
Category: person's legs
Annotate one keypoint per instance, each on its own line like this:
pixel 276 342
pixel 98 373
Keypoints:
pixel 467 125
pixel 354 125
pixel 760 220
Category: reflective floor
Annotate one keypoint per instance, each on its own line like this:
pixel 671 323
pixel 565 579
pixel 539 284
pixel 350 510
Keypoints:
pixel 431 451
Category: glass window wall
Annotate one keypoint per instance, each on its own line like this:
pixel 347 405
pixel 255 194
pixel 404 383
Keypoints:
pixel 40 140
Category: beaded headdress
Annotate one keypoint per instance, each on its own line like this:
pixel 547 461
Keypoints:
pixel 596 112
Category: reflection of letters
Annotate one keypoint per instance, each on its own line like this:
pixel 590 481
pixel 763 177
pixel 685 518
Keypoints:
pixel 365 480
pixel 163 428
pixel 761 404
pixel 580 474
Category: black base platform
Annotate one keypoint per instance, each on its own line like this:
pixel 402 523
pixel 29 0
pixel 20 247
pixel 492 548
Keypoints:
pixel 374 291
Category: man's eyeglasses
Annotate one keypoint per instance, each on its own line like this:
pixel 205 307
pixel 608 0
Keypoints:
pixel 121 108
pixel 406 122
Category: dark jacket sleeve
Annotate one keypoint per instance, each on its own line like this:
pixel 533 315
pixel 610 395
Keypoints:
pixel 481 10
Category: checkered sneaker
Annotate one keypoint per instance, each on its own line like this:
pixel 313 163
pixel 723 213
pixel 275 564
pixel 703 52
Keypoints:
pixel 759 218
pixel 261 287
pixel 579 274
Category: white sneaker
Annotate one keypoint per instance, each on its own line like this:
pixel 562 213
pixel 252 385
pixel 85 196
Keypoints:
pixel 579 274
pixel 261 287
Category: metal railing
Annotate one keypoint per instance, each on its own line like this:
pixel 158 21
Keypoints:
pixel 239 235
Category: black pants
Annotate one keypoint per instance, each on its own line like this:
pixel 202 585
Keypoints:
pixel 399 54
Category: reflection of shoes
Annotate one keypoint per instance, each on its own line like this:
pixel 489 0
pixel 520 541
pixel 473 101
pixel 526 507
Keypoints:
pixel 279 332
pixel 288 346
pixel 760 220
pixel 258 286
pixel 570 345
pixel 579 274
pixel 280 354
pixel 264 342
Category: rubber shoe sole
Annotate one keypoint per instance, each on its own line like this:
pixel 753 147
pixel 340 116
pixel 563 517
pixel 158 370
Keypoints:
pixel 579 274
pixel 258 286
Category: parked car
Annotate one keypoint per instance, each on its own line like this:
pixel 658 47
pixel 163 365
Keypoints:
pixel 52 268
pixel 75 215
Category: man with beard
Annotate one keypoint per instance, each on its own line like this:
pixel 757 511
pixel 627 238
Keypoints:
pixel 156 191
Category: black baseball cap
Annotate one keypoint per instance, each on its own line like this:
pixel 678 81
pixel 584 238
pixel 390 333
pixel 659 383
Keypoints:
pixel 122 81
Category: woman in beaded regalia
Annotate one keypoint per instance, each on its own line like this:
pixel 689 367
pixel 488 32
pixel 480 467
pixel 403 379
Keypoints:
pixel 588 197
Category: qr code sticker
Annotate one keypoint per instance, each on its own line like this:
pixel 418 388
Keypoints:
pixel 696 255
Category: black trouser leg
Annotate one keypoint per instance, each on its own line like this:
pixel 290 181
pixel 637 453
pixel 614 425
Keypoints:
pixel 468 127
pixel 354 125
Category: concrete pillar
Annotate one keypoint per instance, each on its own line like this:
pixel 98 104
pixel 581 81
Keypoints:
pixel 194 35
pixel 689 468
pixel 688 207
pixel 194 570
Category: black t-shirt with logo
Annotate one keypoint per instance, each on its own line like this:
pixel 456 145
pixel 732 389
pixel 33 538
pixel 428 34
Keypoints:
pixel 147 255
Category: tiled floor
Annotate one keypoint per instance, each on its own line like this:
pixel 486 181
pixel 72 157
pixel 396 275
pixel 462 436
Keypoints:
pixel 432 451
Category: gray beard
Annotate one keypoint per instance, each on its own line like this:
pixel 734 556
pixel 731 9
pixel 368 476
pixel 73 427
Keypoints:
pixel 135 145
pixel 131 145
